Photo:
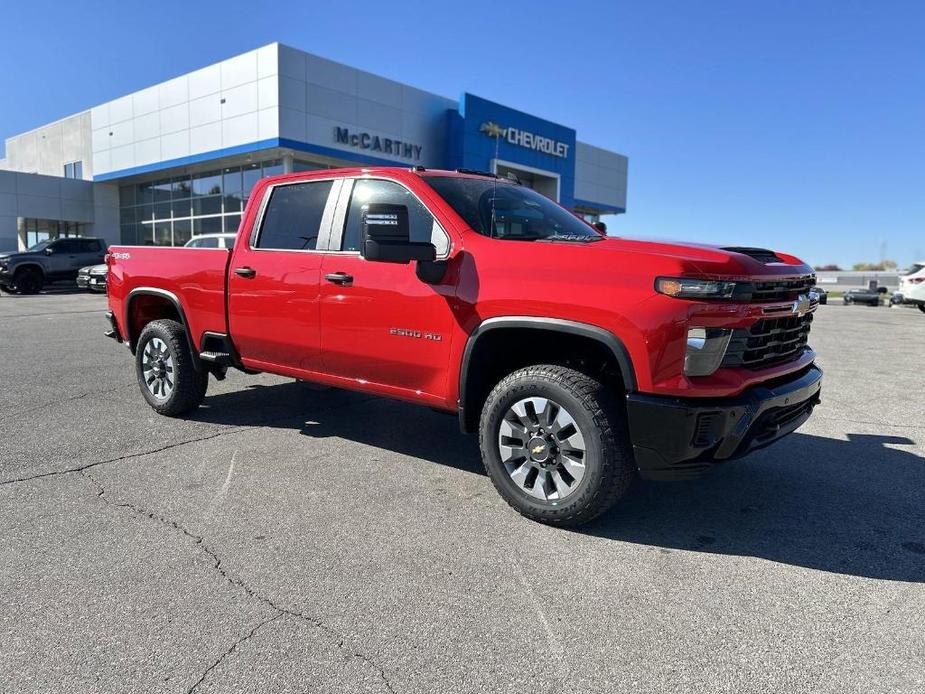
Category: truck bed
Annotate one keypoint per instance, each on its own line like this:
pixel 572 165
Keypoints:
pixel 195 276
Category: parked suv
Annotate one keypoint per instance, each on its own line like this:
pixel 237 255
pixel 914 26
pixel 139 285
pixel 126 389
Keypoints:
pixel 580 360
pixel 912 287
pixel 49 261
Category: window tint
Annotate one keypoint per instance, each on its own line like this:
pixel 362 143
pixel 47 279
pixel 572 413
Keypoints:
pixel 90 246
pixel 293 216
pixel 211 242
pixel 422 224
pixel 506 211
pixel 67 246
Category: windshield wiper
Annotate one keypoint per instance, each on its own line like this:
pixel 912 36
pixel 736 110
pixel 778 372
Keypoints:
pixel 571 237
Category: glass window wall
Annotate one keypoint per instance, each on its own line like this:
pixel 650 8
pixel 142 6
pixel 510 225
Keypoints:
pixel 170 211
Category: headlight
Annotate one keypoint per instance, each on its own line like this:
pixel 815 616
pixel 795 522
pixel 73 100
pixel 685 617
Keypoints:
pixel 706 348
pixel 686 288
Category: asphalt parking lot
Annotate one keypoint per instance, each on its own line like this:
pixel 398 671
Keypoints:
pixel 289 538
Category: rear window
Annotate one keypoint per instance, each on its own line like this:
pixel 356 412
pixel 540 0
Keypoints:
pixel 916 267
pixel 293 216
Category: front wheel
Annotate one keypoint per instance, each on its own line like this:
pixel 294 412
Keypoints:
pixel 167 375
pixel 28 281
pixel 555 445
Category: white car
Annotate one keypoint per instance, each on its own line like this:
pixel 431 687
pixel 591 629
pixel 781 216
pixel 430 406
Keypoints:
pixel 211 241
pixel 912 287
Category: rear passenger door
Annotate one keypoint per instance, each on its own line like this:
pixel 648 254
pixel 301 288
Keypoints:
pixel 273 280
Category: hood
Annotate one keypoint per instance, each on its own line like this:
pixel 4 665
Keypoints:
pixel 19 254
pixel 728 262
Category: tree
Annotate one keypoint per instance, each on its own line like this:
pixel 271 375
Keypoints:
pixel 831 267
pixel 874 267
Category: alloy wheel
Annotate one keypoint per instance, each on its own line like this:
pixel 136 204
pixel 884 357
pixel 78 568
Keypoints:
pixel 158 368
pixel 542 448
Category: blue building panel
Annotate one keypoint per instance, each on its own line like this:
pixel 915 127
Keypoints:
pixel 486 130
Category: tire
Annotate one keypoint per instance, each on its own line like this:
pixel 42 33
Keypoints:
pixel 168 379
pixel 28 281
pixel 599 461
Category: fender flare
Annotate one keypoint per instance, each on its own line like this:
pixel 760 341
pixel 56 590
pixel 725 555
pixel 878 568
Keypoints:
pixel 173 299
pixel 29 264
pixel 594 332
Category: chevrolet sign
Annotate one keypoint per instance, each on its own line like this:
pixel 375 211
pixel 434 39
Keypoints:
pixel 529 140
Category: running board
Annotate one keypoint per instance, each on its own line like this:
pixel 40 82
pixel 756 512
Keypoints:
pixel 223 358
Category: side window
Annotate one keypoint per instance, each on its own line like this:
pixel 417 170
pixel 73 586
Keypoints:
pixel 90 246
pixel 210 242
pixel 293 216
pixel 423 225
pixel 67 246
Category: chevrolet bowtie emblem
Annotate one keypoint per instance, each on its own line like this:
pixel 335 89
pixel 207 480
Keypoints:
pixel 536 450
pixel 801 306
pixel 492 129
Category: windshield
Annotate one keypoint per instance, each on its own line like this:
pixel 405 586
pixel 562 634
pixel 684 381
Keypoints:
pixel 41 245
pixel 915 268
pixel 506 211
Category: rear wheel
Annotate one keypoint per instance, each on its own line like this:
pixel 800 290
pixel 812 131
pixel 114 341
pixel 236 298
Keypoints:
pixel 28 281
pixel 167 375
pixel 555 446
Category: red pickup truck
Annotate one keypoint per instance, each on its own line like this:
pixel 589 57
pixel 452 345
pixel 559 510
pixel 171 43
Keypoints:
pixel 580 360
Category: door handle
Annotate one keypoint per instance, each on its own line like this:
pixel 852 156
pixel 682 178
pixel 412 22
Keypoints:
pixel 245 272
pixel 341 278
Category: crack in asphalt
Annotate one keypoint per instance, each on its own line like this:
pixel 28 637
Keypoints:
pixel 19 413
pixel 129 456
pixel 231 650
pixel 245 427
pixel 332 634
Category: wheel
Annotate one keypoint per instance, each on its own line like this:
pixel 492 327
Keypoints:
pixel 28 281
pixel 555 445
pixel 168 379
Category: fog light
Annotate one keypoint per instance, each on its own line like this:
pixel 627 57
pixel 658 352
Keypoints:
pixel 706 348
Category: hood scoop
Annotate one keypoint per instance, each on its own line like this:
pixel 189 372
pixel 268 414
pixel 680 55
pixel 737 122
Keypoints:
pixel 762 255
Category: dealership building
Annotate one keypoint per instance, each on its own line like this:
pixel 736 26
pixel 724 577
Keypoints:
pixel 179 158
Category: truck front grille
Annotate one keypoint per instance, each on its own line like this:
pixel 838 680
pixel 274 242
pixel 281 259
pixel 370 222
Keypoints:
pixel 781 290
pixel 768 342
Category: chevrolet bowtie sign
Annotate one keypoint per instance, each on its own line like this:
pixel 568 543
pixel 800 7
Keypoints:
pixel 529 140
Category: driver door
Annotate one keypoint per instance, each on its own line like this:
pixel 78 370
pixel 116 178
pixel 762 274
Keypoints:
pixel 380 323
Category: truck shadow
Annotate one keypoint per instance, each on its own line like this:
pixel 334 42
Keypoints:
pixel 854 507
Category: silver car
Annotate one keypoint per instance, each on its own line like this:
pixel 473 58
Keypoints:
pixel 93 277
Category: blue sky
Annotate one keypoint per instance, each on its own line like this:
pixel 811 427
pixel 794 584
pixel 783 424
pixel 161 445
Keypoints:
pixel 794 125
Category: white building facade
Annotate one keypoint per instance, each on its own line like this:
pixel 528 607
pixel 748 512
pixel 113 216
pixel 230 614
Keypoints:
pixel 179 158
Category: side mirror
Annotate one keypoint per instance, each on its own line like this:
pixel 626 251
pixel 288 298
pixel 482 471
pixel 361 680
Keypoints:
pixel 387 236
pixel 49 251
pixel 882 290
pixel 601 227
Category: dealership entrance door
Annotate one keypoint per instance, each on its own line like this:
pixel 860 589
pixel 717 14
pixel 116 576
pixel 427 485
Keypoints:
pixel 544 182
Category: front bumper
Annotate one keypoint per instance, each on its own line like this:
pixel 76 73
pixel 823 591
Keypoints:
pixel 681 438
